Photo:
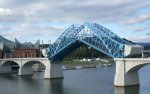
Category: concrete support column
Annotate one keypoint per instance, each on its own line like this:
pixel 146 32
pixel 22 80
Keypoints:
pixel 120 74
pixel 124 76
pixel 53 70
pixel 25 69
pixel 20 69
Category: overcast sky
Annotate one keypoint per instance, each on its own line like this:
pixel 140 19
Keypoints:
pixel 30 20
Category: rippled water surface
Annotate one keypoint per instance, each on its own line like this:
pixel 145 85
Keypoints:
pixel 83 81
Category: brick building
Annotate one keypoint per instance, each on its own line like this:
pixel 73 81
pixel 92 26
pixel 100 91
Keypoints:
pixel 26 50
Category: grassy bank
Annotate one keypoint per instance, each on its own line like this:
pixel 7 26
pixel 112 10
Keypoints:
pixel 85 64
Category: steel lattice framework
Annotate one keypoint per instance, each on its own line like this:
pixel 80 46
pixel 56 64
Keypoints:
pixel 91 34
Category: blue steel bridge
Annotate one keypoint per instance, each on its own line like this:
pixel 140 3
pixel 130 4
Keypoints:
pixel 90 34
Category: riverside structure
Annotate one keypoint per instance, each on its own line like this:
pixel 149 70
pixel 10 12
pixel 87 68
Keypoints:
pixel 52 70
pixel 91 34
pixel 127 70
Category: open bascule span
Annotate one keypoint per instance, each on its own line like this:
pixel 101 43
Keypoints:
pixel 91 34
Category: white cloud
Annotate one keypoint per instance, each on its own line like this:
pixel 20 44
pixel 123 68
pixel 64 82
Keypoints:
pixel 29 32
pixel 27 15
pixel 144 40
pixel 5 12
pixel 139 28
pixel 139 19
pixel 73 12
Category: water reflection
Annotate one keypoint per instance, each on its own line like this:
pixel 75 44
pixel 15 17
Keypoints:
pixel 85 81
pixel 127 90
pixel 56 86
pixel 38 75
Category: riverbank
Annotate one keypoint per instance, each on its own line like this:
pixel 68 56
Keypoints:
pixel 70 65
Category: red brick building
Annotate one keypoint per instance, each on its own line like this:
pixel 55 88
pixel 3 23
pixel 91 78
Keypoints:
pixel 25 53
pixel 26 50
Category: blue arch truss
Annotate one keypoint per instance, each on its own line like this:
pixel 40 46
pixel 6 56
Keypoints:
pixel 91 34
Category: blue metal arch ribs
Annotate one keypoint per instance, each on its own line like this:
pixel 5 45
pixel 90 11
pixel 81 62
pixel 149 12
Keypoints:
pixel 91 34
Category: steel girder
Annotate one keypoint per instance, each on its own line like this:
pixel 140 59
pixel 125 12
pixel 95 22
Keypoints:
pixel 91 34
pixel 66 39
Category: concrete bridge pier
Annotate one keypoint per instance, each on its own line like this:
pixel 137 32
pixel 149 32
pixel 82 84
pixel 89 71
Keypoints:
pixel 126 74
pixel 26 70
pixel 53 70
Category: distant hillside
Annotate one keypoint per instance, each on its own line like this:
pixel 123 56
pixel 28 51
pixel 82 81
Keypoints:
pixel 143 44
pixel 7 42
pixel 147 47
pixel 128 41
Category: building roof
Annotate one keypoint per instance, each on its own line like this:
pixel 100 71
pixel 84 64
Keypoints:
pixel 6 42
pixel 26 45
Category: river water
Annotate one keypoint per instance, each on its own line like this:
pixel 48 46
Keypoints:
pixel 83 81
